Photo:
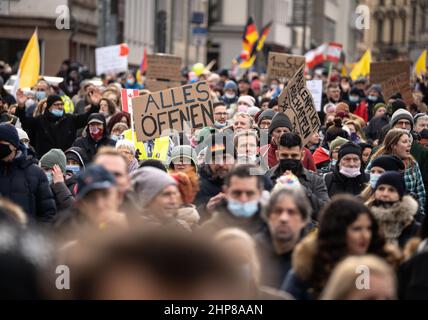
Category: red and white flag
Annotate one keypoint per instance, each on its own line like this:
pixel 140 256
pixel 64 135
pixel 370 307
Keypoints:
pixel 126 96
pixel 315 56
pixel 334 52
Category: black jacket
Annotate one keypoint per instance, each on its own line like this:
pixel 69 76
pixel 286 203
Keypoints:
pixel 89 145
pixel 337 183
pixel 413 278
pixel 52 132
pixel 24 183
pixel 374 129
pixel 314 185
pixel 208 188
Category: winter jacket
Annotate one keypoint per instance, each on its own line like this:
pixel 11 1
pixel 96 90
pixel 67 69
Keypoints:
pixel 52 132
pixel 398 221
pixel 64 198
pixel 420 153
pixel 89 145
pixel 413 278
pixel 337 183
pixel 222 218
pixel 24 183
pixel 314 185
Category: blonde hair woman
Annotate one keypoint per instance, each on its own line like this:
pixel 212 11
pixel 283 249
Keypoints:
pixel 398 143
pixel 348 281
pixel 40 108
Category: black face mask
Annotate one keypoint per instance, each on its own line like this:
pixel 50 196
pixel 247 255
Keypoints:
pixel 385 204
pixel 4 151
pixel 292 165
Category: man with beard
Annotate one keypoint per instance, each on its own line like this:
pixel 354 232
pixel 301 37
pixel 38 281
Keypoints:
pixel 290 155
pixel 287 214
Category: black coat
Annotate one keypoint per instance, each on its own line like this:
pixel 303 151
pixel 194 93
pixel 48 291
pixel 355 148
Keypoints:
pixel 51 132
pixel 24 183
pixel 374 129
pixel 413 278
pixel 89 145
pixel 337 183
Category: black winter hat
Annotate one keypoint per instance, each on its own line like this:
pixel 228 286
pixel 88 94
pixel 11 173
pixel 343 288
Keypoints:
pixel 9 134
pixel 280 120
pixel 349 148
pixel 51 100
pixel 388 163
pixel 393 179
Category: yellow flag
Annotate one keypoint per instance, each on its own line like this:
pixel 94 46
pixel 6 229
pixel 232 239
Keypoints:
pixel 362 67
pixel 29 67
pixel 421 64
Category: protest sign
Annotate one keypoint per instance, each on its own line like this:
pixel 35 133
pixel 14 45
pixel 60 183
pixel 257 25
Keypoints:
pixel 158 85
pixel 298 105
pixel 315 87
pixel 111 59
pixel 283 66
pixel 398 83
pixel 163 67
pixel 381 71
pixel 157 114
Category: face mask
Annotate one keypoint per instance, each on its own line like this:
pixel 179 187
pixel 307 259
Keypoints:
pixel 230 95
pixel 292 165
pixel 374 177
pixel 96 133
pixel 354 136
pixel 73 168
pixel 354 98
pixel 27 145
pixel 273 87
pixel 350 172
pixel 130 82
pixel 219 125
pixel 385 204
pixel 57 113
pixel 29 103
pixel 40 95
pixel 242 210
pixel 4 151
pixel 114 137
pixel 243 108
pixel 49 176
pixel 333 163
pixel 372 98
pixel 243 158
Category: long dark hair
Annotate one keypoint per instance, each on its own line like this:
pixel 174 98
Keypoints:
pixel 117 118
pixel 332 247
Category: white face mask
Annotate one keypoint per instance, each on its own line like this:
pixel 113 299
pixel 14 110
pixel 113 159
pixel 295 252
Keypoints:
pixel 230 95
pixel 29 103
pixel 350 172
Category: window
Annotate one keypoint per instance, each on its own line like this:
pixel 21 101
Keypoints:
pixel 403 21
pixel 329 29
pixel 380 31
pixel 391 34
pixel 214 11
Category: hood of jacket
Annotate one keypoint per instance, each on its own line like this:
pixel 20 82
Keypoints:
pixel 100 117
pixel 393 220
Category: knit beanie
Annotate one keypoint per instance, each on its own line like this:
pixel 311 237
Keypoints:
pixel 337 143
pixel 184 151
pixel 51 100
pixel 388 163
pixel 349 148
pixel 54 157
pixel 9 134
pixel 394 179
pixel 280 120
pixel 148 182
pixel 401 114
pixel 267 114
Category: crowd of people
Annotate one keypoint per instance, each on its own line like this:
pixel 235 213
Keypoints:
pixel 241 209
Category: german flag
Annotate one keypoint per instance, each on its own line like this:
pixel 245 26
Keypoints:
pixel 258 46
pixel 250 35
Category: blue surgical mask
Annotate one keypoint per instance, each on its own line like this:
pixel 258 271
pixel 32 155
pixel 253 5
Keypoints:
pixel 242 210
pixel 40 95
pixel 130 82
pixel 374 177
pixel 57 113
pixel 372 98
pixel 49 175
pixel 219 125
pixel 333 163
pixel 354 98
pixel 73 168
pixel 114 137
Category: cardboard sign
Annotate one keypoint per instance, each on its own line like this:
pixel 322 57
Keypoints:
pixel 398 83
pixel 315 87
pixel 381 71
pixel 158 85
pixel 110 60
pixel 298 105
pixel 157 114
pixel 283 66
pixel 163 67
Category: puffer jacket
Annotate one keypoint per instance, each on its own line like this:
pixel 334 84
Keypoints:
pixel 24 183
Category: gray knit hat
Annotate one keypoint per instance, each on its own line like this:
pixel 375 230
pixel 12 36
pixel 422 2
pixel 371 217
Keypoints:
pixel 184 151
pixel 53 157
pixel 148 182
pixel 399 115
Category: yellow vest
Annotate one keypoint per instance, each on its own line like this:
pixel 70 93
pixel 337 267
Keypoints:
pixel 160 150
pixel 68 104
